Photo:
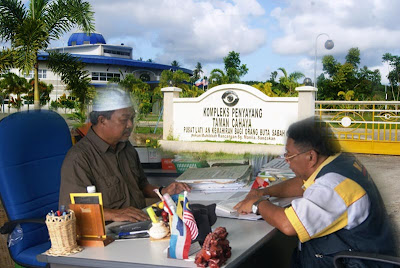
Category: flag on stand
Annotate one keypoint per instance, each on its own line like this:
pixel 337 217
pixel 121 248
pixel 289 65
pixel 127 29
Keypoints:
pixel 179 243
pixel 188 218
pixel 198 82
pixel 201 82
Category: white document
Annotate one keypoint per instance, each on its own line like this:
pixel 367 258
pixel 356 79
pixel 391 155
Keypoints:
pixel 225 207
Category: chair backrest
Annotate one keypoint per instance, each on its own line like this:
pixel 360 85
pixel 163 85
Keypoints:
pixel 33 147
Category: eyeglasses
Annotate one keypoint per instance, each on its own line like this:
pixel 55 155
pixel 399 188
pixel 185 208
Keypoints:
pixel 287 157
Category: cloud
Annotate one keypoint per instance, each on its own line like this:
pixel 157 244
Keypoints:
pixel 371 25
pixel 366 24
pixel 184 30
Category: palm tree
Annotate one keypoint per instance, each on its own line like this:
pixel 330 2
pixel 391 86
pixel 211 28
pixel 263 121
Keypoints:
pixel 31 29
pixel 198 71
pixel 218 77
pixel 175 63
pixel 74 75
pixel 290 82
pixel 6 59
pixel 14 85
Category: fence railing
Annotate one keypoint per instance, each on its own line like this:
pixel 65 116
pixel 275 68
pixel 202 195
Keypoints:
pixel 363 126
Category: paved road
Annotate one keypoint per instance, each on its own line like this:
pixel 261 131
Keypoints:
pixel 385 171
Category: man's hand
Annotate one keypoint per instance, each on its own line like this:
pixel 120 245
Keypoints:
pixel 125 214
pixel 245 206
pixel 176 188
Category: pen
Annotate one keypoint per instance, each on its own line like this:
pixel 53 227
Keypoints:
pixel 132 233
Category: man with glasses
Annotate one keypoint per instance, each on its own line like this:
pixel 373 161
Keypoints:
pixel 339 209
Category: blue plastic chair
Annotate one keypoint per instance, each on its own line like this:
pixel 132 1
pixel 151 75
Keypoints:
pixel 33 147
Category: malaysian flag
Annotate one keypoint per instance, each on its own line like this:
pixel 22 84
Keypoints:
pixel 179 243
pixel 198 82
pixel 188 218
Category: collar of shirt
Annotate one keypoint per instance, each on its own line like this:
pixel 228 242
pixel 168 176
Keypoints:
pixel 311 179
pixel 101 145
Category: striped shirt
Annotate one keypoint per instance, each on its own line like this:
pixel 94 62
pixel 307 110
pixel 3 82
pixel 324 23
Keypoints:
pixel 330 203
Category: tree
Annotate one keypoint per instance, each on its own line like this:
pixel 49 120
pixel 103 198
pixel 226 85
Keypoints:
pixel 198 71
pixel 353 57
pixel 272 78
pixel 175 63
pixel 289 82
pixel 6 59
pixel 233 68
pixel 44 92
pixel 177 79
pixel 218 77
pixel 14 85
pixel 30 29
pixel 265 88
pixel 394 73
pixel 347 77
pixel 140 90
pixel 233 61
pixel 74 75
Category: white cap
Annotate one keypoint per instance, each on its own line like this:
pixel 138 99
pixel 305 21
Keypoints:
pixel 111 98
pixel 91 189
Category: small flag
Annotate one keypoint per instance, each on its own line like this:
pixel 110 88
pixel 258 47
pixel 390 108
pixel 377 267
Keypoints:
pixel 179 244
pixel 198 82
pixel 189 219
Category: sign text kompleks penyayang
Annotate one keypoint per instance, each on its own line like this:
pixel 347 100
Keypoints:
pixel 233 123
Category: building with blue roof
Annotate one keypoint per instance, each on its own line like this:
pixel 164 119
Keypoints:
pixel 103 62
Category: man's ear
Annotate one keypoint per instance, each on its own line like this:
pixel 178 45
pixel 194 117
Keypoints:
pixel 101 119
pixel 313 157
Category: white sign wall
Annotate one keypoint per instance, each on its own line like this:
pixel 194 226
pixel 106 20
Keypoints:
pixel 234 112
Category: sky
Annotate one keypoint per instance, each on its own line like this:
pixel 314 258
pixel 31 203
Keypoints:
pixel 268 34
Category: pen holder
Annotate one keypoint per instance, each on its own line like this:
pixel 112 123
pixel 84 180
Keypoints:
pixel 62 232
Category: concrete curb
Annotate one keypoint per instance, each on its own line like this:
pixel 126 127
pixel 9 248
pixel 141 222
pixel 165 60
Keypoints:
pixel 215 147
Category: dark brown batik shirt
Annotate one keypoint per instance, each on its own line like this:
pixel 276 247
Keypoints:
pixel 117 174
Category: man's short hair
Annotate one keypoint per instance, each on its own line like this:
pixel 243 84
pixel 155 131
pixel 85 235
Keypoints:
pixel 314 134
pixel 94 116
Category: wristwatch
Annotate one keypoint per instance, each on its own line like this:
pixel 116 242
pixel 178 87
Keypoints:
pixel 254 208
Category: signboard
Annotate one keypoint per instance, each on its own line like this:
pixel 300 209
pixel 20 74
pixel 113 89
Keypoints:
pixel 234 112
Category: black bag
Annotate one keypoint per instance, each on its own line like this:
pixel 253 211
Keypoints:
pixel 205 218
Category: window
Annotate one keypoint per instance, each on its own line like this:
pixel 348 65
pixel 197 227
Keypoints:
pixel 42 74
pixel 144 77
pixel 30 75
pixel 116 52
pixel 95 76
pixel 105 76
pixel 73 43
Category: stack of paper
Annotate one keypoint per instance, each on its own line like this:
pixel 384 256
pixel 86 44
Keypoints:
pixel 275 171
pixel 225 208
pixel 218 179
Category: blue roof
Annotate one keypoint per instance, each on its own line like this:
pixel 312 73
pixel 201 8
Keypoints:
pixel 79 38
pixel 95 59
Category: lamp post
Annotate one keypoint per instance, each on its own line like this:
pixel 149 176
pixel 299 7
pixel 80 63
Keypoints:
pixel 328 45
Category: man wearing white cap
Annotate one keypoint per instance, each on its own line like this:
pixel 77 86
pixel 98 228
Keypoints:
pixel 106 159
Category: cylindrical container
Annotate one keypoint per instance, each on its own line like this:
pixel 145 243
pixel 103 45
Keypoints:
pixel 62 232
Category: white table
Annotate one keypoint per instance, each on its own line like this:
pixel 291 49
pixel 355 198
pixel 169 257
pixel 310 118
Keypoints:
pixel 245 238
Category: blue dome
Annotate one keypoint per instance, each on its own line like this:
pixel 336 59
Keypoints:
pixel 81 38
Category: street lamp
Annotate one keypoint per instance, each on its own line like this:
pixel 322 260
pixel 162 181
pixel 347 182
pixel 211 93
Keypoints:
pixel 328 45
pixel 307 81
